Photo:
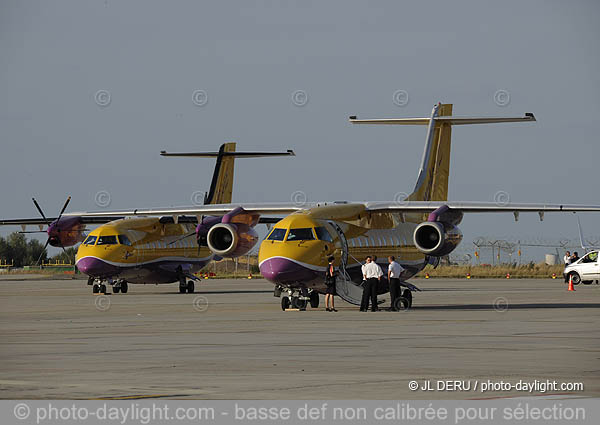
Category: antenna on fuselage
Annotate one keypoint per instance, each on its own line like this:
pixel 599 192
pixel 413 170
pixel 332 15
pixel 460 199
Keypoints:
pixel 221 186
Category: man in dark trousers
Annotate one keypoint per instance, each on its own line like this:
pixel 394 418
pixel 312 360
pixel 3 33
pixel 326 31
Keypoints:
pixel 394 271
pixel 372 275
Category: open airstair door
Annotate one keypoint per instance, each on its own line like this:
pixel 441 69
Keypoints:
pixel 344 286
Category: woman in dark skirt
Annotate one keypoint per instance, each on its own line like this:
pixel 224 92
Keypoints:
pixel 330 275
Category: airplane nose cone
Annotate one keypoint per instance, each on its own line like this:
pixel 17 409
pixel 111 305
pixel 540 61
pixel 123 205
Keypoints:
pixel 96 267
pixel 282 270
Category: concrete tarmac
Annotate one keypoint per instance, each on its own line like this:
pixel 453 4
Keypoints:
pixel 231 340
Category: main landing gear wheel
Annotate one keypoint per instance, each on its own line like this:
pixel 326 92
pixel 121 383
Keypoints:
pixel 124 287
pixel 116 288
pixel 95 288
pixel 314 299
pixel 401 303
pixel 190 287
pixel 102 288
pixel 285 303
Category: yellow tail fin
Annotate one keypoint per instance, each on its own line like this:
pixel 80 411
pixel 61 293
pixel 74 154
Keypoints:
pixel 221 187
pixel 432 184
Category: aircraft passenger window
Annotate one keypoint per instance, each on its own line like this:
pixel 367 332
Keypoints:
pixel 90 240
pixel 124 240
pixel 277 235
pixel 323 234
pixel 107 240
pixel 302 234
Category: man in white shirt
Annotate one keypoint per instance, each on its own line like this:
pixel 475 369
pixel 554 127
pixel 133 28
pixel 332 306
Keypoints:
pixel 372 274
pixel 567 261
pixel 394 272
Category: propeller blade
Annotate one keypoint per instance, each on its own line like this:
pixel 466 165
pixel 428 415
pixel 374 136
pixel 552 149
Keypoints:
pixel 181 238
pixel 63 208
pixel 42 253
pixel 40 210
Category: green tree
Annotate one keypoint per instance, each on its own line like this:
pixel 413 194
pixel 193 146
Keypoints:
pixel 66 256
pixel 21 252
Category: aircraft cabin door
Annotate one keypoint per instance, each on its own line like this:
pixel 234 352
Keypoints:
pixel 344 286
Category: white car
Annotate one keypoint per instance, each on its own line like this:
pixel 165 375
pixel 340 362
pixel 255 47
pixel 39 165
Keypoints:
pixel 586 269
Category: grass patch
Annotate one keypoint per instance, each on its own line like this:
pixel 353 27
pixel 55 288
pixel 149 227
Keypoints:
pixel 523 271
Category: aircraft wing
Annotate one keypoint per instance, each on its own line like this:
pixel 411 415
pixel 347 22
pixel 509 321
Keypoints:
pixel 339 209
pixel 101 218
pixel 476 207
pixel 213 209
pixel 42 222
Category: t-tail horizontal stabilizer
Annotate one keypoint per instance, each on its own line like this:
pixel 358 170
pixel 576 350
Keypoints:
pixel 221 187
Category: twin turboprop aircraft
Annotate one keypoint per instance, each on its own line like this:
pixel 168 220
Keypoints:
pixel 162 249
pixel 417 231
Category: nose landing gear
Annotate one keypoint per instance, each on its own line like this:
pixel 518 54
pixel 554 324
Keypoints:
pixel 98 288
pixel 298 299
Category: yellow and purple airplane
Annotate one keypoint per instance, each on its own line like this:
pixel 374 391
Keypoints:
pixel 418 230
pixel 161 249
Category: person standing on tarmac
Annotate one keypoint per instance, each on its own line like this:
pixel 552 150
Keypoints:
pixel 330 276
pixel 372 274
pixel 394 271
pixel 567 261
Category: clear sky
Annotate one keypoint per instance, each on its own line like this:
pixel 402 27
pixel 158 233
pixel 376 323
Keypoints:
pixel 91 91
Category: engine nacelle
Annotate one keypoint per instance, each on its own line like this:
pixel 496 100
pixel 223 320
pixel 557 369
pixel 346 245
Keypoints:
pixel 436 238
pixel 231 239
pixel 66 232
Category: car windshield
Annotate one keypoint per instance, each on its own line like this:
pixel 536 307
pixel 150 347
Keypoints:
pixel 592 257
pixel 124 240
pixel 107 240
pixel 90 240
pixel 303 234
pixel 277 235
pixel 323 234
